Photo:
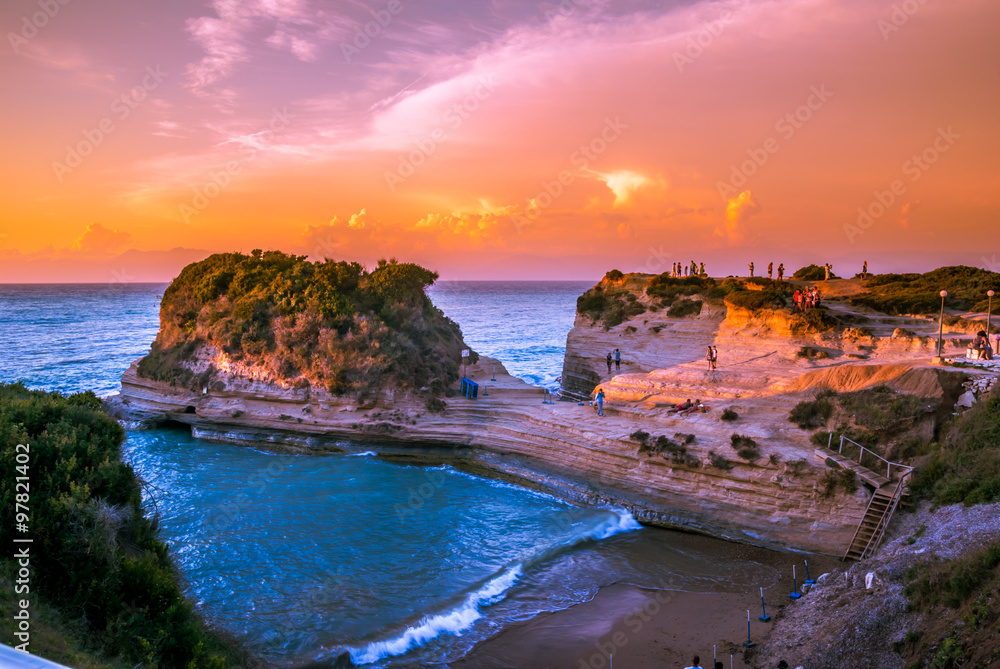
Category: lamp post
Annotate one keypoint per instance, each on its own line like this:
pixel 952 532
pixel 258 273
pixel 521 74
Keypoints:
pixel 944 294
pixel 989 313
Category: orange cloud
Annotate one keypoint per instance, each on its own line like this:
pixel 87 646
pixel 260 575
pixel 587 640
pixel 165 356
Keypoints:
pixel 99 240
pixel 738 212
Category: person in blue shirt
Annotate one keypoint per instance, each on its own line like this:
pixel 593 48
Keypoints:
pixel 600 401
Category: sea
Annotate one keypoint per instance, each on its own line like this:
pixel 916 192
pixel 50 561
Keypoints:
pixel 303 557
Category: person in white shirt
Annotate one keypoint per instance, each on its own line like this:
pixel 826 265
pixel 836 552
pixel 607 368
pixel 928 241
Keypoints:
pixel 695 663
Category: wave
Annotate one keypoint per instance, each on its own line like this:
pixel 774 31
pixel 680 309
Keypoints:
pixel 359 455
pixel 461 617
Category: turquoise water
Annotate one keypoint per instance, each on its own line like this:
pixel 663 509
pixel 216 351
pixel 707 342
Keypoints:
pixel 302 557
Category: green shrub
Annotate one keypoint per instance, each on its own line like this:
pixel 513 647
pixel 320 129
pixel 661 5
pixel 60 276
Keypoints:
pixel 610 307
pixel 817 319
pixel 967 467
pixel 812 414
pixel 639 435
pixel 745 447
pixel 685 307
pixel 729 415
pixel 95 556
pixel 614 275
pixel 435 404
pixel 719 461
pixel 331 324
pixel 920 293
pixel 667 289
pixel 756 300
pixel 811 273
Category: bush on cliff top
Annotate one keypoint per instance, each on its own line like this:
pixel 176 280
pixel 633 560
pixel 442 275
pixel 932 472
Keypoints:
pixel 812 273
pixel 329 323
pixel 94 555
pixel 920 293
pixel 667 289
pixel 756 300
pixel 609 304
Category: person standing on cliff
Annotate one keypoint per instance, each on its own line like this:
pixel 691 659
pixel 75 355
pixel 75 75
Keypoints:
pixel 618 360
pixel 715 357
pixel 826 270
pixel 770 269
pixel 864 270
pixel 609 363
pixel 701 269
pixel 781 271
pixel 750 266
pixel 600 401
pixel 708 357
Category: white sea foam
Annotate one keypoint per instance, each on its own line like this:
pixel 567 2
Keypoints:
pixel 454 621
pixel 463 616
pixel 358 455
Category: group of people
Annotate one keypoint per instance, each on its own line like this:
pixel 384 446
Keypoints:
pixel 770 270
pixel 693 269
pixel 696 664
pixel 806 299
pixel 687 407
pixel 617 359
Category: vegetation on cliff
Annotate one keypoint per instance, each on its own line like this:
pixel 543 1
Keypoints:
pixel 966 465
pixel 921 293
pixel 812 273
pixel 331 324
pixel 98 573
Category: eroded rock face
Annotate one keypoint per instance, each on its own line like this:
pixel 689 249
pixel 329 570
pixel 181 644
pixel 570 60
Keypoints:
pixel 562 448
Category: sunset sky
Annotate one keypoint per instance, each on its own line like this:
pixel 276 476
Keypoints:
pixel 498 139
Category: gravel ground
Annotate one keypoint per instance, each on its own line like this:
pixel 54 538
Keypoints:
pixel 851 617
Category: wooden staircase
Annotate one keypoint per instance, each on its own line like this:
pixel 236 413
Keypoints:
pixel 884 502
pixel 872 527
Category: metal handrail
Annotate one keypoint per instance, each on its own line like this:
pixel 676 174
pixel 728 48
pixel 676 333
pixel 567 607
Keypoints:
pixel 889 465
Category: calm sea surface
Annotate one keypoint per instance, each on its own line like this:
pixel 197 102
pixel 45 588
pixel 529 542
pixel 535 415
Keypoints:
pixel 303 557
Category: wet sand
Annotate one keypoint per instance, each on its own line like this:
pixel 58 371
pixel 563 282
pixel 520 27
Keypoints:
pixel 641 628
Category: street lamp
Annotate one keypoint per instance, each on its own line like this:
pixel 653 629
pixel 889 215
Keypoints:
pixel 989 313
pixel 944 294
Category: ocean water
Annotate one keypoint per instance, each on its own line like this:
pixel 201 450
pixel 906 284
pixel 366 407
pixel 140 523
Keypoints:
pixel 522 323
pixel 303 557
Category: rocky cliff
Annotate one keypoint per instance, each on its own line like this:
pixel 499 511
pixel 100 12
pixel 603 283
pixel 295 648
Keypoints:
pixel 775 498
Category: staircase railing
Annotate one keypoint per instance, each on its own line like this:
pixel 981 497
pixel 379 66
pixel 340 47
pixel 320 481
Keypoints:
pixel 896 496
pixel 888 465
pixel 878 532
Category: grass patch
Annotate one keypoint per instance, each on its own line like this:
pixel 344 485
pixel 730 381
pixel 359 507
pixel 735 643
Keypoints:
pixel 729 415
pixel 954 582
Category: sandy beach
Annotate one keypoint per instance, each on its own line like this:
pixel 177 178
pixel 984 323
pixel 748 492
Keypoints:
pixel 645 628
